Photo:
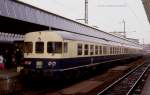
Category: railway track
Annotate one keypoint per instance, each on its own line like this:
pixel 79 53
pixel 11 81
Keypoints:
pixel 126 84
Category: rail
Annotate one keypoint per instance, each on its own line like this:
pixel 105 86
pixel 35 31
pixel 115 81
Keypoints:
pixel 130 80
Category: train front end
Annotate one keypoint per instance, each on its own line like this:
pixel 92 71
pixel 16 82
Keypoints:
pixel 42 53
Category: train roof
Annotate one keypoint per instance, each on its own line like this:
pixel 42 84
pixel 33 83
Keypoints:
pixel 64 35
pixel 89 38
pixel 78 37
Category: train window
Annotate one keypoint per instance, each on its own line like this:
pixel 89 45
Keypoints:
pixel 100 49
pixel 39 47
pixel 104 50
pixel 125 50
pixel 79 49
pixel 111 50
pixel 54 47
pixel 96 50
pixel 58 47
pixel 50 47
pixel 28 47
pixel 65 47
pixel 86 49
pixel 116 50
pixel 91 49
pixel 120 50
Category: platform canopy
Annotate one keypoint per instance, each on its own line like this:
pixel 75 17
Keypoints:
pixel 21 18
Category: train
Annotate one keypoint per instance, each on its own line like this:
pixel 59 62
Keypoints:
pixel 54 52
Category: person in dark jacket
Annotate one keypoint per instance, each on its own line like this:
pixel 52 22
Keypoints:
pixel 8 57
pixel 2 62
pixel 18 56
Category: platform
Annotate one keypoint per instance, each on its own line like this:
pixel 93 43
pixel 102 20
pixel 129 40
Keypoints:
pixel 5 74
pixel 83 87
pixel 8 81
pixel 146 88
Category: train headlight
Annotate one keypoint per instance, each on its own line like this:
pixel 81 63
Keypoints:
pixel 51 64
pixel 54 63
pixel 27 62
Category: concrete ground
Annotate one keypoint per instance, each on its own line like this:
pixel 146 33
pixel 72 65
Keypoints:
pixel 8 73
pixel 146 88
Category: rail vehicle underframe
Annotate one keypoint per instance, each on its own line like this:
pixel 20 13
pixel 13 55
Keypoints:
pixel 63 66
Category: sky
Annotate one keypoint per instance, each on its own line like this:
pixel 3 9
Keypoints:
pixel 107 15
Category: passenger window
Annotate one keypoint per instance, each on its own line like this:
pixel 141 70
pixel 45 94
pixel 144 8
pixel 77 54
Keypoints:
pixel 86 49
pixel 116 50
pixel 65 47
pixel 58 47
pixel 104 50
pixel 54 47
pixel 50 46
pixel 79 49
pixel 111 50
pixel 125 50
pixel 120 51
pixel 91 49
pixel 96 50
pixel 100 50
pixel 39 47
pixel 28 47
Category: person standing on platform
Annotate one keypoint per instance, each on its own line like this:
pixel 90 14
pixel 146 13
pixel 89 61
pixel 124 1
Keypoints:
pixel 18 57
pixel 8 57
pixel 2 63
